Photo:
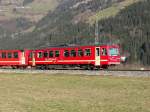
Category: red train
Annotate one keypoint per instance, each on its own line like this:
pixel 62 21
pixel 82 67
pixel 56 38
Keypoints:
pixel 87 57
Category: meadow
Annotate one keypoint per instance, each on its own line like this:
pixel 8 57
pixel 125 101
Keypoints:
pixel 73 93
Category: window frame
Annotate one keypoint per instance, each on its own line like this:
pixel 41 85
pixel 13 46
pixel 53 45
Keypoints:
pixel 80 52
pixel 4 55
pixel 68 53
pixel 86 53
pixel 57 53
pixel 73 53
pixel 45 54
pixel 104 52
pixel 9 55
pixel 51 54
pixel 116 52
pixel 15 55
pixel 30 54
pixel 40 54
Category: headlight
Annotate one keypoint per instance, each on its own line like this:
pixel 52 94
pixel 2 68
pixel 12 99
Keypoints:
pixel 123 58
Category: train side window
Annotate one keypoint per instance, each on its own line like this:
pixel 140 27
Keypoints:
pixel 57 53
pixel 15 55
pixel 30 55
pixel 66 53
pixel 9 55
pixel 3 54
pixel 73 53
pixel 51 54
pixel 87 52
pixel 45 54
pixel 40 55
pixel 80 52
pixel 104 51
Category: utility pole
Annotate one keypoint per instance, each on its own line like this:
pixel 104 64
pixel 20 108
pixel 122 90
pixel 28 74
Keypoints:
pixel 96 33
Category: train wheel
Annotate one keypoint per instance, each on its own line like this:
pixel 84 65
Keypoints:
pixel 23 67
pixel 105 66
pixel 13 67
pixel 43 67
pixel 98 68
pixel 92 67
pixel 88 67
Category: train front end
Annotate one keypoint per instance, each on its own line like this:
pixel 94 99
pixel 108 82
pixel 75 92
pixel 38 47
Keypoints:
pixel 114 57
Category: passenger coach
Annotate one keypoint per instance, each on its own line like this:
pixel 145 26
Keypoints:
pixel 88 57
pixel 14 58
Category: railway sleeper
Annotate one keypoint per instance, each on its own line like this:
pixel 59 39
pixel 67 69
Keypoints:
pixel 53 67
pixel 87 67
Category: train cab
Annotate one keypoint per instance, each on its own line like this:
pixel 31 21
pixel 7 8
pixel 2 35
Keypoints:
pixel 113 55
pixel 107 55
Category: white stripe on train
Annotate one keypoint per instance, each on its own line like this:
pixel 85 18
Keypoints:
pixel 71 61
pixel 55 61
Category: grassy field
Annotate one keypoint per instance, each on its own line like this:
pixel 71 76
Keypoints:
pixel 37 8
pixel 64 93
pixel 44 5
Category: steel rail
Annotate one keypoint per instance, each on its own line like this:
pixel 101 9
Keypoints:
pixel 128 73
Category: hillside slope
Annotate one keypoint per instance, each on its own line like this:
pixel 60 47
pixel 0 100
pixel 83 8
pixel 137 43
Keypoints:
pixel 73 18
pixel 29 10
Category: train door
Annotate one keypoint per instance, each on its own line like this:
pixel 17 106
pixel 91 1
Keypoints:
pixel 97 56
pixel 23 61
pixel 33 59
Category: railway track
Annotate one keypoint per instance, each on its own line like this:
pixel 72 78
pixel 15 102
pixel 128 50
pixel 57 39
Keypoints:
pixel 128 73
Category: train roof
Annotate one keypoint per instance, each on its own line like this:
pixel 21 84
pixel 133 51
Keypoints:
pixel 72 45
pixel 58 46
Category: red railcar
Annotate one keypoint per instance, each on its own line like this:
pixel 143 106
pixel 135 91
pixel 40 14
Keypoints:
pixel 82 56
pixel 14 58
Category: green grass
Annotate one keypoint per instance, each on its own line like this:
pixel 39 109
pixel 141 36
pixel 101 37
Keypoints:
pixel 43 6
pixel 111 11
pixel 64 93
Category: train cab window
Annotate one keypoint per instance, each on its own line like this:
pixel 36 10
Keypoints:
pixel 87 52
pixel 66 53
pixel 113 51
pixel 3 54
pixel 51 54
pixel 40 55
pixel 73 53
pixel 104 51
pixel 9 55
pixel 15 54
pixel 80 52
pixel 45 54
pixel 57 53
